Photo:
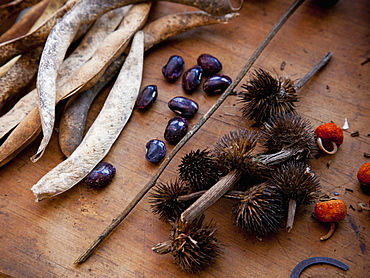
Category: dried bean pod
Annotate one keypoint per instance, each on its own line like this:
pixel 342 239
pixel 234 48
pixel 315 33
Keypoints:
pixel 147 96
pixel 176 129
pixel 216 84
pixel 191 79
pixel 174 68
pixel 210 64
pixel 183 106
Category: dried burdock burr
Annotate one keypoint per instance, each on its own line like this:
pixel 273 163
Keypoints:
pixel 193 245
pixel 287 136
pixel 260 210
pixel 265 96
pixel 164 200
pixel 331 211
pixel 234 152
pixel 298 184
pixel 329 137
pixel 199 169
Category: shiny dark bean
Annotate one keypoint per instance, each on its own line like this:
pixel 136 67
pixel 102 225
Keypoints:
pixel 147 96
pixel 183 106
pixel 101 175
pixel 155 150
pixel 191 79
pixel 216 84
pixel 176 129
pixel 174 68
pixel 210 65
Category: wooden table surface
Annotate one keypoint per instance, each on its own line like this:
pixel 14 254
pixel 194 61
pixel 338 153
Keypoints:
pixel 43 239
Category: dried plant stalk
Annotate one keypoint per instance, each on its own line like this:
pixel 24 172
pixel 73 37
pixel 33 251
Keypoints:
pixel 25 23
pixel 7 10
pixel 72 123
pixel 36 38
pixel 101 136
pixel 122 215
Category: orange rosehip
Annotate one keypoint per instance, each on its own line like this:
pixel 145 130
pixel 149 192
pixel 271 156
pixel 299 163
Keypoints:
pixel 330 211
pixel 329 137
pixel 363 173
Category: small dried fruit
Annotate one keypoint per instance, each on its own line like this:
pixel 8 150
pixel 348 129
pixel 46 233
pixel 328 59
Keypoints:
pixel 191 79
pixel 147 96
pixel 216 84
pixel 330 211
pixel 155 150
pixel 101 175
pixel 329 137
pixel 210 65
pixel 176 129
pixel 183 106
pixel 174 68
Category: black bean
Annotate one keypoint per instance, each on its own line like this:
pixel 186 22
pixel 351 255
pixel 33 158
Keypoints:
pixel 174 68
pixel 155 150
pixel 147 96
pixel 176 129
pixel 216 84
pixel 183 106
pixel 210 65
pixel 191 79
pixel 101 175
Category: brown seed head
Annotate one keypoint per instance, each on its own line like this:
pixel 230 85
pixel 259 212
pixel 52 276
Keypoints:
pixel 266 96
pixel 261 211
pixel 199 170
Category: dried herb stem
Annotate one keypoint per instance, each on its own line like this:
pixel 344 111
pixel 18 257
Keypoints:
pixel 292 207
pixel 330 232
pixel 116 221
pixel 237 195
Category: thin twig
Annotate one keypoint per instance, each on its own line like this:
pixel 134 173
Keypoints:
pixel 116 221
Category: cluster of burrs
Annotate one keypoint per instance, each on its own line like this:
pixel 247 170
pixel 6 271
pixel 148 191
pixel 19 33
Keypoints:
pixel 266 186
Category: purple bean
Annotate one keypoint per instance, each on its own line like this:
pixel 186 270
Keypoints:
pixel 174 68
pixel 101 175
pixel 176 129
pixel 183 106
pixel 155 150
pixel 147 96
pixel 216 84
pixel 191 79
pixel 210 65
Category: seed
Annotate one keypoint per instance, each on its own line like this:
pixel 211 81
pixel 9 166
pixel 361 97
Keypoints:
pixel 191 79
pixel 176 129
pixel 147 96
pixel 216 84
pixel 210 65
pixel 155 150
pixel 183 106
pixel 101 175
pixel 174 68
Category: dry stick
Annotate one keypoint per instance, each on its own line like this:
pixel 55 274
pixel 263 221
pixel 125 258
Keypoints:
pixel 116 221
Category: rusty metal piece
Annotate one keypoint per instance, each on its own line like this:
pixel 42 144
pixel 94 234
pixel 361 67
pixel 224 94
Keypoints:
pixel 316 260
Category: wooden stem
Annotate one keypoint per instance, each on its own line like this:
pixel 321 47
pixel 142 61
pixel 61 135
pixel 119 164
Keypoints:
pixel 211 196
pixel 291 9
pixel 321 147
pixel 291 213
pixel 330 233
pixel 237 195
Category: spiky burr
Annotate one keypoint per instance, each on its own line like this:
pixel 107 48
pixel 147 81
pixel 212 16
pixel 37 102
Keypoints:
pixel 260 211
pixel 199 169
pixel 298 184
pixel 193 244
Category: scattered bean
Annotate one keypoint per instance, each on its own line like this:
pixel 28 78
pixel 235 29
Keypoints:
pixel 183 106
pixel 101 175
pixel 210 65
pixel 176 129
pixel 216 84
pixel 147 96
pixel 191 79
pixel 174 68
pixel 155 150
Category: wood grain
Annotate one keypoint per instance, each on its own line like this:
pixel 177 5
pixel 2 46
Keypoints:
pixel 43 239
